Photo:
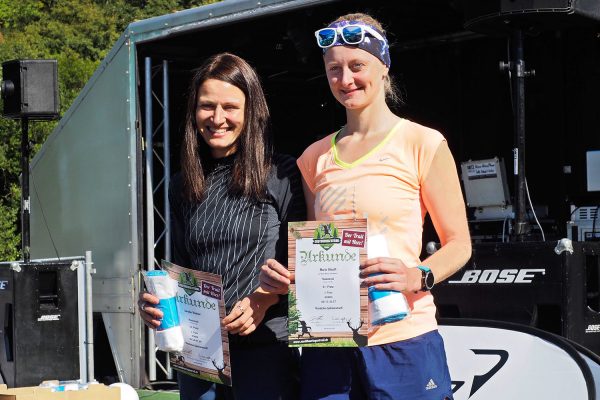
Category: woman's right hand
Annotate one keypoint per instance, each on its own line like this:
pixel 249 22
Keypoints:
pixel 275 278
pixel 152 316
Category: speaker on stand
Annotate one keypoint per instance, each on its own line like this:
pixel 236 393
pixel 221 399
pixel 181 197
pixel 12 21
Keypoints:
pixel 39 300
pixel 513 18
pixel 29 92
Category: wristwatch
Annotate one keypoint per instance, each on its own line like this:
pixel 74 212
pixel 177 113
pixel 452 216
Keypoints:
pixel 427 278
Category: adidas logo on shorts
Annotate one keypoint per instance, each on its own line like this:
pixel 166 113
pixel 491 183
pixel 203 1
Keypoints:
pixel 430 385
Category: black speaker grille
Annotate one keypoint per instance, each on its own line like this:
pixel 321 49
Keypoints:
pixel 35 94
pixel 39 334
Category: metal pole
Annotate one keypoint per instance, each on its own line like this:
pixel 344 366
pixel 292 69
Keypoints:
pixel 25 200
pixel 43 260
pixel 167 174
pixel 167 159
pixel 518 87
pixel 89 316
pixel 82 319
pixel 149 203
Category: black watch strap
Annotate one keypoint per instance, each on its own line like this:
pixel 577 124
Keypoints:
pixel 427 278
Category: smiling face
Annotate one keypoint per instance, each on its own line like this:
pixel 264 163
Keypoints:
pixel 356 78
pixel 220 116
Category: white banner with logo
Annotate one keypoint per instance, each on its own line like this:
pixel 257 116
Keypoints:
pixel 489 363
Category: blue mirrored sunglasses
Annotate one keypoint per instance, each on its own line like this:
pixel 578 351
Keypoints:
pixel 350 34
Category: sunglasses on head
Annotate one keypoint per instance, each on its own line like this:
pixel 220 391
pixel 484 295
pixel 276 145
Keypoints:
pixel 350 34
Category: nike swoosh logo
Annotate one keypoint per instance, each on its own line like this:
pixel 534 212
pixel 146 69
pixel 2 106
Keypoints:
pixel 384 158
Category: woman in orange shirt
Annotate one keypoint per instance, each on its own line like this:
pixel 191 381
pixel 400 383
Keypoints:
pixel 394 171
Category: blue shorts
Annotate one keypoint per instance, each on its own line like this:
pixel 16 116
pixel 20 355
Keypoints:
pixel 266 372
pixel 413 369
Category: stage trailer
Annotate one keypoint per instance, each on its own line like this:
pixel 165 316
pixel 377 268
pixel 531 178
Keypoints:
pixel 99 182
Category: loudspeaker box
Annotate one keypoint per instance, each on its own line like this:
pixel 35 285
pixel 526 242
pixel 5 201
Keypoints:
pixel 529 283
pixel 496 16
pixel 39 332
pixel 30 89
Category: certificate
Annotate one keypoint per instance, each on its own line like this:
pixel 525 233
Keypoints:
pixel 327 306
pixel 201 308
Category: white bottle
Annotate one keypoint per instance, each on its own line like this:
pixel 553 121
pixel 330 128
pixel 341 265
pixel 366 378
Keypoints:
pixel 385 306
pixel 168 335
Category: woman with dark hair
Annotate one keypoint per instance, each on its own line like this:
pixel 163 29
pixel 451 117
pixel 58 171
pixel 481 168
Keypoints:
pixel 230 205
pixel 394 171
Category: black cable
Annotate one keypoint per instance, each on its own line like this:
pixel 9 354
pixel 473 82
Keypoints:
pixel 44 217
pixel 512 104
pixel 573 212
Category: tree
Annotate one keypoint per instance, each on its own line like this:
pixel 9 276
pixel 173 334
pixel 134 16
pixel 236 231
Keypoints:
pixel 77 33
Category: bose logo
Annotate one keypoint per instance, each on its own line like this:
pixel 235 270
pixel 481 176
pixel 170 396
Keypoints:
pixel 593 329
pixel 55 317
pixel 499 276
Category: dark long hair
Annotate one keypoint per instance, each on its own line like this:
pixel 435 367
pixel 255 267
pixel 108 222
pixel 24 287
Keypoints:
pixel 253 155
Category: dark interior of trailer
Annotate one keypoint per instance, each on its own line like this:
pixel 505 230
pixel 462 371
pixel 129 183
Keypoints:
pixel 449 78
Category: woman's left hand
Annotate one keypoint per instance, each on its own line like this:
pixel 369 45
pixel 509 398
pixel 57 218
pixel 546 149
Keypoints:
pixel 385 273
pixel 248 313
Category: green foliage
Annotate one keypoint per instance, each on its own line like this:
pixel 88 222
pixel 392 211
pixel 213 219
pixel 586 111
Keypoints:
pixel 293 314
pixel 77 33
pixel 17 14
pixel 9 236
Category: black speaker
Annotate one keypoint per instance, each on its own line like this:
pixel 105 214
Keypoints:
pixel 39 331
pixel 530 284
pixel 30 89
pixel 497 15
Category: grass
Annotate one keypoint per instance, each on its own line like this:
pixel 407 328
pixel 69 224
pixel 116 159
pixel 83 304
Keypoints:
pixel 157 395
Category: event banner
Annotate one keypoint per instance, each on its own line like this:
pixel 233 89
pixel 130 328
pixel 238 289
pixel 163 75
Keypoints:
pixel 512 361
pixel 201 308
pixel 327 306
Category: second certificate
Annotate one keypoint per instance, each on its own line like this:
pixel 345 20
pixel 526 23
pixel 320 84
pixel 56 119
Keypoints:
pixel 327 306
